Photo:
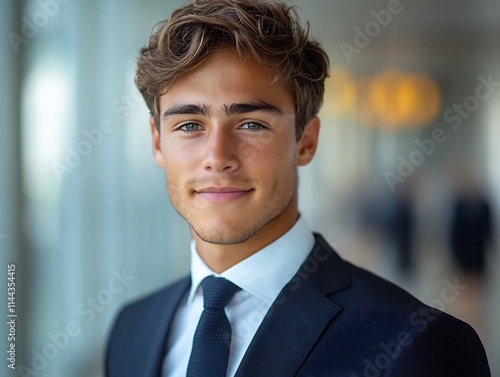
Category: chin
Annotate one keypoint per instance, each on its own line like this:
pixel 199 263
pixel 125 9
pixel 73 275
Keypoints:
pixel 224 235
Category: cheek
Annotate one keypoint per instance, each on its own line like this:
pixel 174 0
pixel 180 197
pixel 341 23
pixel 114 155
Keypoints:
pixel 276 164
pixel 175 157
pixel 283 151
pixel 269 148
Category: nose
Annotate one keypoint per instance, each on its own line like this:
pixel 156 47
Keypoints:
pixel 221 151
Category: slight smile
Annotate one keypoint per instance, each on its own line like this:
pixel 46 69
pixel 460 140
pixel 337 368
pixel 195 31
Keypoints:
pixel 222 194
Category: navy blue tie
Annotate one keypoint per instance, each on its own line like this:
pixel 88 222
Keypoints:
pixel 210 353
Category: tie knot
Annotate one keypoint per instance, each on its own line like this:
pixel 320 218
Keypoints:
pixel 217 292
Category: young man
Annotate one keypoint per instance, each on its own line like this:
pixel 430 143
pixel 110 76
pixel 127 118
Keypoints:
pixel 234 87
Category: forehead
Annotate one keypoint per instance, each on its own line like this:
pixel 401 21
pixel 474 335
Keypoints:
pixel 225 78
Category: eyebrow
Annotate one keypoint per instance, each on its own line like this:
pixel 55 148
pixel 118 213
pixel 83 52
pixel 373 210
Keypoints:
pixel 242 108
pixel 233 109
pixel 188 109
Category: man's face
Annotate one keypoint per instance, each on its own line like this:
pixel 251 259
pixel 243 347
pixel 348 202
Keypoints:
pixel 229 151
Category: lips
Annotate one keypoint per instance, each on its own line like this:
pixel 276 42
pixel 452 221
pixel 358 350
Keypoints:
pixel 222 194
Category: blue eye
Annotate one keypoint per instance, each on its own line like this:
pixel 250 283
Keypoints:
pixel 190 127
pixel 252 126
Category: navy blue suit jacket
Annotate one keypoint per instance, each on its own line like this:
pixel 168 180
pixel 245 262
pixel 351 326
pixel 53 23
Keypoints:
pixel 332 319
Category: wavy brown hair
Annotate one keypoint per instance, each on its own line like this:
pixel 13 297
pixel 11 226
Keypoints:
pixel 269 31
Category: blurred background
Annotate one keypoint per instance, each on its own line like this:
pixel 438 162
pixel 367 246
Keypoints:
pixel 405 183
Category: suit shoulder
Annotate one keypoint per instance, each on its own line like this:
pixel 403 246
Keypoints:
pixel 381 329
pixel 378 288
pixel 363 295
pixel 448 345
pixel 136 318
pixel 358 286
pixel 140 327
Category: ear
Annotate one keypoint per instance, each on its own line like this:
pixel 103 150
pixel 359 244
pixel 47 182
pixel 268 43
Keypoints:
pixel 156 139
pixel 308 142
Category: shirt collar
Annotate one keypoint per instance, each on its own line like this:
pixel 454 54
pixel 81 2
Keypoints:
pixel 265 273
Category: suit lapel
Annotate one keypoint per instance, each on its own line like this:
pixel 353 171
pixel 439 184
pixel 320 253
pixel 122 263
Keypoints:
pixel 157 338
pixel 297 317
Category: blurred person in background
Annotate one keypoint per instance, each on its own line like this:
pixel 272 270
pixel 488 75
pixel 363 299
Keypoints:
pixel 470 239
pixel 234 88
pixel 401 226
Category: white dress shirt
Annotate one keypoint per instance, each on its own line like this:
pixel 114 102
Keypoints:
pixel 261 278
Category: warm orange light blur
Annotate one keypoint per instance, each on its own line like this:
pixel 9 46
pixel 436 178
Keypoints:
pixel 393 99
